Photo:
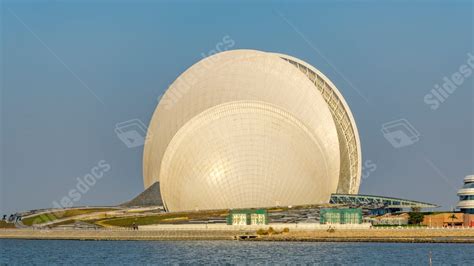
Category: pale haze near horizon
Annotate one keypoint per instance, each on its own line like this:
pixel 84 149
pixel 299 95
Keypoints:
pixel 72 71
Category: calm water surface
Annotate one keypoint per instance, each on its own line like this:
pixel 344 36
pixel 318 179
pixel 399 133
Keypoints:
pixel 168 252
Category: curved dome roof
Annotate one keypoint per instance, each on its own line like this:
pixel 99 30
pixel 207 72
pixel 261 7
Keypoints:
pixel 469 179
pixel 246 128
pixel 351 156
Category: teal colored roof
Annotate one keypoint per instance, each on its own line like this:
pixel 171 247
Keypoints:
pixel 245 211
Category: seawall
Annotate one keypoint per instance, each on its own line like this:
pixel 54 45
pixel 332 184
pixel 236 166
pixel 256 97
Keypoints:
pixel 339 235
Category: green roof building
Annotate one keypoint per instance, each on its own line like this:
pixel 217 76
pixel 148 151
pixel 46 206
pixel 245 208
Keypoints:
pixel 341 216
pixel 247 217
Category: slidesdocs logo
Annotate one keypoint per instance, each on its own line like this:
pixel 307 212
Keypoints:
pixel 132 133
pixel 400 133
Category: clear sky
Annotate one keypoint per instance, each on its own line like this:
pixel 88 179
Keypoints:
pixel 72 70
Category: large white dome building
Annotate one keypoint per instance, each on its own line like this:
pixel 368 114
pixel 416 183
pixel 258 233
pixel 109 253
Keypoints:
pixel 247 128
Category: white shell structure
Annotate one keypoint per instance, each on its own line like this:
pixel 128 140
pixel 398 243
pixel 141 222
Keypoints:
pixel 244 129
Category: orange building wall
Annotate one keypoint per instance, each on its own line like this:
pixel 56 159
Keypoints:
pixel 469 220
pixel 442 219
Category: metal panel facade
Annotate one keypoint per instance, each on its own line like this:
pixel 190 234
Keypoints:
pixel 245 129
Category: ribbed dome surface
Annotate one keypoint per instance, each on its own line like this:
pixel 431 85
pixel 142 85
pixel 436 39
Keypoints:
pixel 243 129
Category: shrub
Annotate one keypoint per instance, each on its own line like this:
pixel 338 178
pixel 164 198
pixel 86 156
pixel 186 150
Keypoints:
pixel 286 230
pixel 271 230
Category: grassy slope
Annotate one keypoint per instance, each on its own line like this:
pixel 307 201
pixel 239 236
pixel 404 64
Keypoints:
pixel 164 218
pixel 4 224
pixel 169 218
pixel 48 217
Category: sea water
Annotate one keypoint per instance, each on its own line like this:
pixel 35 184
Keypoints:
pixel 233 252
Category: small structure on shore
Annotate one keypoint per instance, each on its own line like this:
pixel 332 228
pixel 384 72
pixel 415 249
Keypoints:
pixel 247 217
pixel 341 216
pixel 448 219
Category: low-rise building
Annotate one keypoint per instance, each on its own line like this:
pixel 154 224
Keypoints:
pixel 247 217
pixel 469 220
pixel 447 219
pixel 341 216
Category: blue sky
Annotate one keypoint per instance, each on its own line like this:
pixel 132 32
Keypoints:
pixel 72 70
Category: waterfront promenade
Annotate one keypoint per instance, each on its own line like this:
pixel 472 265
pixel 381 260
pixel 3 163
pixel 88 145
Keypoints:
pixel 408 235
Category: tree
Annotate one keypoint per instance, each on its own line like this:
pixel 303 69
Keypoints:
pixel 453 217
pixel 415 217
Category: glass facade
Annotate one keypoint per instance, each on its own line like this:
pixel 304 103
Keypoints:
pixel 341 216
pixel 247 217
pixel 468 185
pixel 239 219
pixel 466 197
pixel 468 211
